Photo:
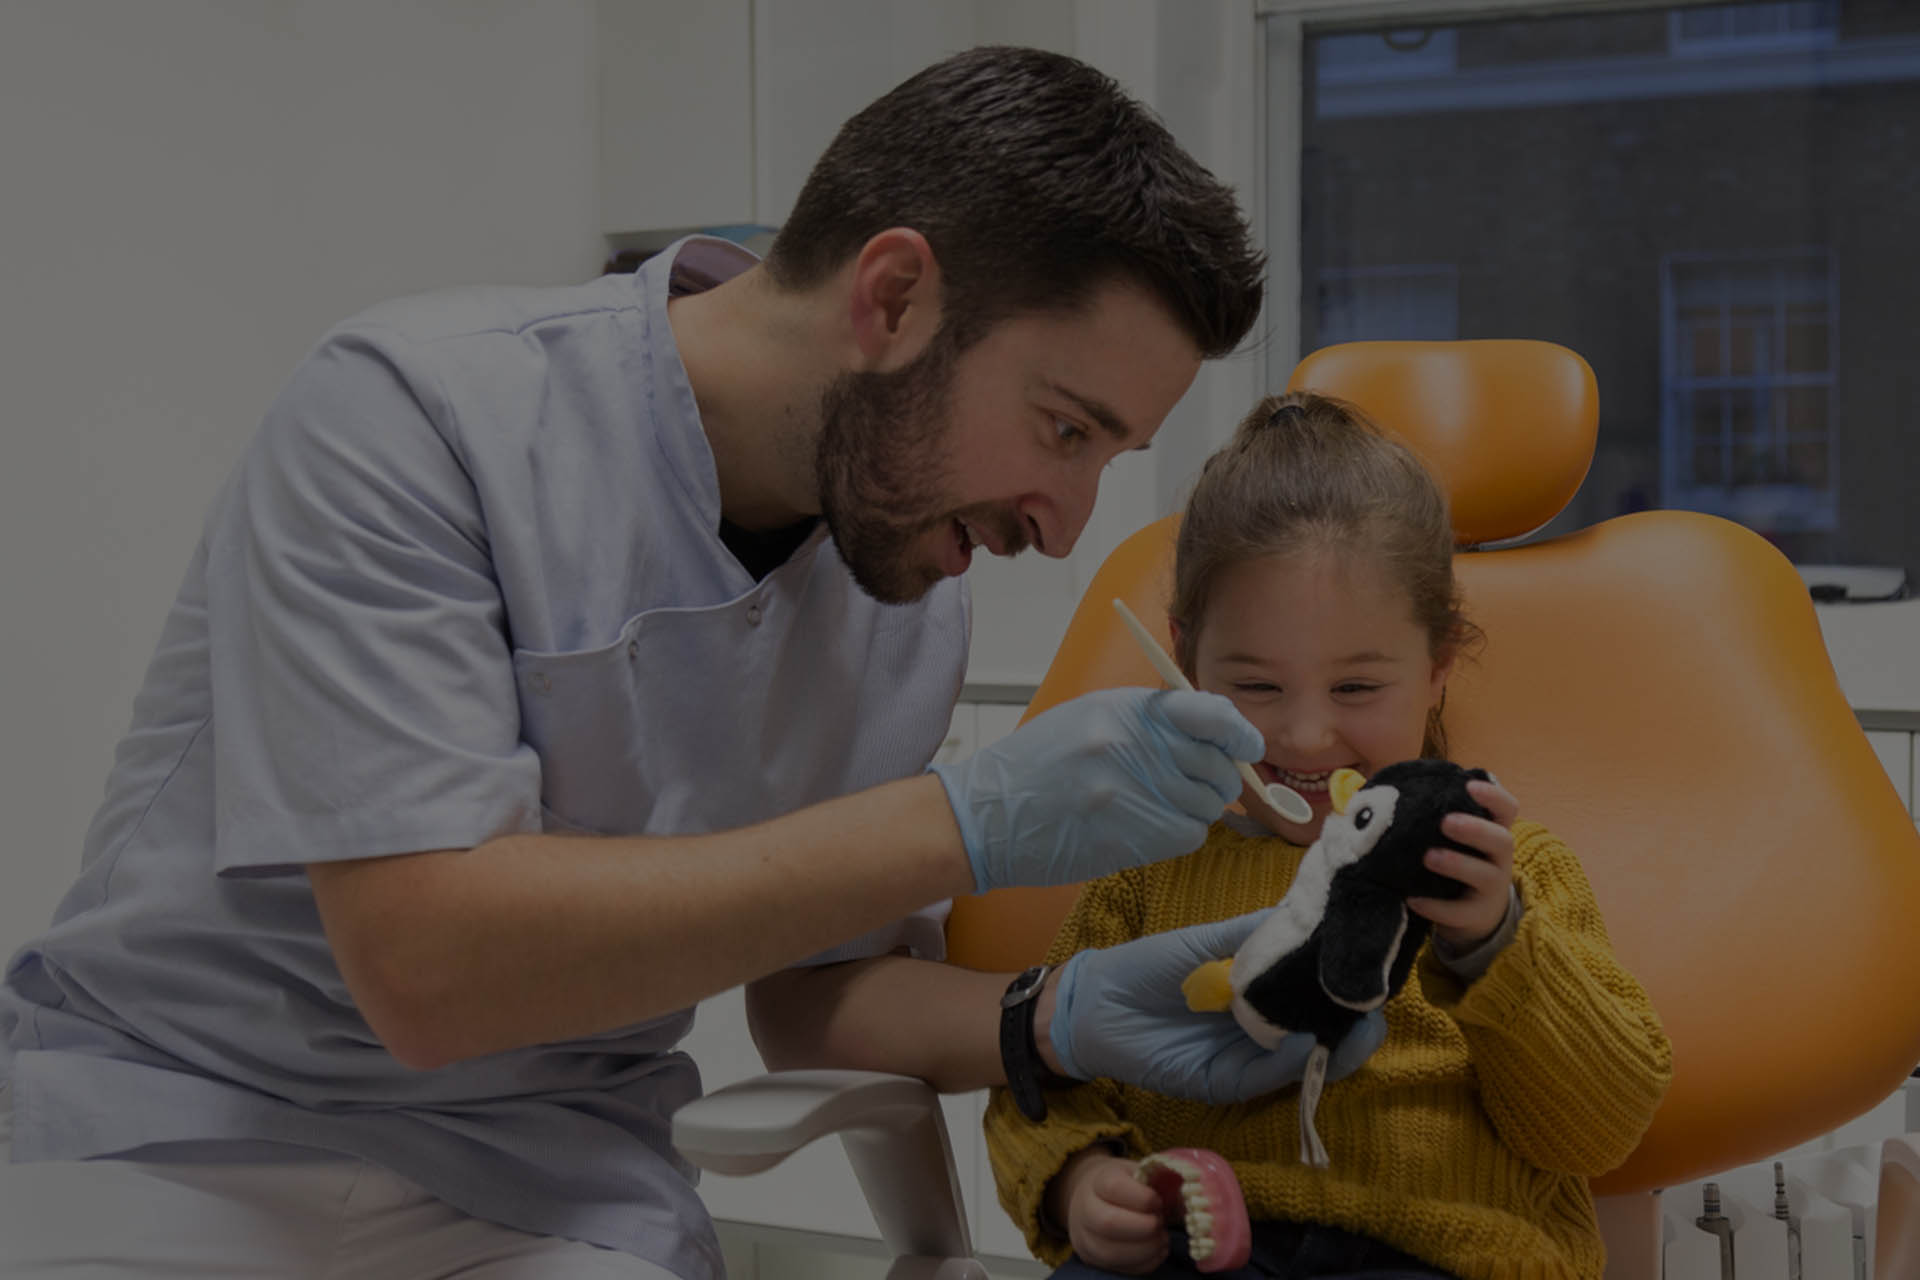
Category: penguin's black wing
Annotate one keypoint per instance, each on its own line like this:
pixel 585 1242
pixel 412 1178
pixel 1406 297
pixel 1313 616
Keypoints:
pixel 1287 994
pixel 1360 938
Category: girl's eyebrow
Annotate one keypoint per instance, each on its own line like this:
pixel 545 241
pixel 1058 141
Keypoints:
pixel 1362 658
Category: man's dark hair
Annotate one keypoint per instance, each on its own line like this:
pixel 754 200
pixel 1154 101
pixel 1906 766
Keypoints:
pixel 1036 180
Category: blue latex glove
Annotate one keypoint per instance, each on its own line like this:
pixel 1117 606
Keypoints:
pixel 1120 1014
pixel 1108 780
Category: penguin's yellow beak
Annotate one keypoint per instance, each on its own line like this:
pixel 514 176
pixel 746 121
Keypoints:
pixel 1342 785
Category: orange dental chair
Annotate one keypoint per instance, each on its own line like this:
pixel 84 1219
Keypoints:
pixel 1656 690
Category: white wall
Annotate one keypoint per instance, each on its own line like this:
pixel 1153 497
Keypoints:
pixel 191 191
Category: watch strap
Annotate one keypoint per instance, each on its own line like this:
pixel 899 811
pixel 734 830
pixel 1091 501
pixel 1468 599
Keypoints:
pixel 1019 1052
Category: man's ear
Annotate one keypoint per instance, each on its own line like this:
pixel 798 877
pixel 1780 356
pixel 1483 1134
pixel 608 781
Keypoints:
pixel 893 300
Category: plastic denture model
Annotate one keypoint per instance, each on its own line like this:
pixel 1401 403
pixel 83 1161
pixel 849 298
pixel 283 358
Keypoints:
pixel 1341 942
pixel 1202 1195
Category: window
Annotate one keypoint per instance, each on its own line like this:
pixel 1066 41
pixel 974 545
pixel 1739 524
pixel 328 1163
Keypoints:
pixel 1747 430
pixel 1691 197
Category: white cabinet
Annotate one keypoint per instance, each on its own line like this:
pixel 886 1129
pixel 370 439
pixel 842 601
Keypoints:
pixel 1911 791
pixel 1895 750
pixel 963 735
pixel 994 1234
pixel 712 112
pixel 676 113
pixel 817 62
pixel 997 720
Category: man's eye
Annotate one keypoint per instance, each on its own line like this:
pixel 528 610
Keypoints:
pixel 1068 432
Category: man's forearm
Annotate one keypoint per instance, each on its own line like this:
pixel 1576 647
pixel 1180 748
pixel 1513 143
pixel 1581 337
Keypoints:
pixel 891 1013
pixel 530 939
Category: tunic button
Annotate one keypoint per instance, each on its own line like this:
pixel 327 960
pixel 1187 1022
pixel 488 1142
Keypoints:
pixel 753 615
pixel 633 648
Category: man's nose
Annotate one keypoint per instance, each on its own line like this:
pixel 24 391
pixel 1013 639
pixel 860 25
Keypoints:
pixel 1055 519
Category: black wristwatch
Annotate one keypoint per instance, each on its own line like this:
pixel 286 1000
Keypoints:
pixel 1019 1054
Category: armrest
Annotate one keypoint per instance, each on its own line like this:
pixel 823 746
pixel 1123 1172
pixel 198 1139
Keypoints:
pixel 893 1133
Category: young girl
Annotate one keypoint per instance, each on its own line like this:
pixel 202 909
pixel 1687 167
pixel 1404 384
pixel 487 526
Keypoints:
pixel 1313 585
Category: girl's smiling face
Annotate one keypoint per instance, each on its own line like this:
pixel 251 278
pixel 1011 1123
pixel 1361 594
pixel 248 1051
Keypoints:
pixel 1320 650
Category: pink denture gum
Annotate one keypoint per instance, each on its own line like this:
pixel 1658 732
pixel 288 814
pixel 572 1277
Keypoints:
pixel 1198 1191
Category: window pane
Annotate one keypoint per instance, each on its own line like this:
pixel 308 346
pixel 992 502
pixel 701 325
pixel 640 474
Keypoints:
pixel 1806 340
pixel 1708 431
pixel 1803 411
pixel 1714 204
pixel 1747 327
pixel 1700 327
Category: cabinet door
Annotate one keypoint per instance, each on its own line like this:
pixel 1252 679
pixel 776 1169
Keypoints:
pixel 676 113
pixel 963 735
pixel 1895 749
pixel 818 62
pixel 994 1233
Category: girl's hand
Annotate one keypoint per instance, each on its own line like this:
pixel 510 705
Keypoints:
pixel 1465 922
pixel 1114 1221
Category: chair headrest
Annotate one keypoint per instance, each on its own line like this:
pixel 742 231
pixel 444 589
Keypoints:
pixel 1507 425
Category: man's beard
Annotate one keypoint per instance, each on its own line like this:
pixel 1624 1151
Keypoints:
pixel 881 467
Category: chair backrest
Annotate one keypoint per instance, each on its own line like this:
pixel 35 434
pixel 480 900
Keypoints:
pixel 1656 690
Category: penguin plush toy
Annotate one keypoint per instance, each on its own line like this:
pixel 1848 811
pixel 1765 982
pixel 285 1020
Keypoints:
pixel 1342 942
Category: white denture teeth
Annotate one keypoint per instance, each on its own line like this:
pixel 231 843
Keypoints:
pixel 1197 1219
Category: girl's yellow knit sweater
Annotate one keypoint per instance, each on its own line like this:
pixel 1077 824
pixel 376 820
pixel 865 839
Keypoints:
pixel 1466 1140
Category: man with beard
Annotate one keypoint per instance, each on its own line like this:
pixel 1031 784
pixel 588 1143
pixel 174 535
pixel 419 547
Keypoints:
pixel 556 658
